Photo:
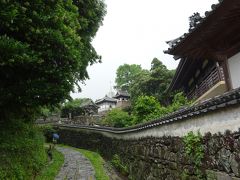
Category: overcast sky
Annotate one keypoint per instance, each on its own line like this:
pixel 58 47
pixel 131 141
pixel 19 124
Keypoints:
pixel 134 32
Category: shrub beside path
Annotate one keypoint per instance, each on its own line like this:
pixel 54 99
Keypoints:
pixel 75 166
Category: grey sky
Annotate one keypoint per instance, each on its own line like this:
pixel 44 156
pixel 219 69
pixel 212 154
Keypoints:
pixel 134 32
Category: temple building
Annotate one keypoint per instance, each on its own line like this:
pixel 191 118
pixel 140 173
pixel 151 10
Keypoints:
pixel 209 53
pixel 122 99
pixel 106 104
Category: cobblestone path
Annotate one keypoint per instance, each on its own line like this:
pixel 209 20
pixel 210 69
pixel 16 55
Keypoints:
pixel 75 167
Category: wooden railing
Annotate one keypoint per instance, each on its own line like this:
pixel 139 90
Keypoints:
pixel 206 82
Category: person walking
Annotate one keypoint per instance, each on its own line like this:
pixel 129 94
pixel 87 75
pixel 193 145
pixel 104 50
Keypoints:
pixel 55 138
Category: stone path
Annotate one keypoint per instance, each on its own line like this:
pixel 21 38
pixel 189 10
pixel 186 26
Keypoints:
pixel 75 167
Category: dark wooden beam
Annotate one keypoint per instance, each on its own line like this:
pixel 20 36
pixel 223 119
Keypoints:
pixel 223 61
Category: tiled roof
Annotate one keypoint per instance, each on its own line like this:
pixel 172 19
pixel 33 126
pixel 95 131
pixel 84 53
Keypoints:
pixel 105 99
pixel 195 22
pixel 122 93
pixel 88 102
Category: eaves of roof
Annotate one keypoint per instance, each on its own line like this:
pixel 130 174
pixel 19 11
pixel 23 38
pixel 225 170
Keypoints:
pixel 105 99
pixel 174 43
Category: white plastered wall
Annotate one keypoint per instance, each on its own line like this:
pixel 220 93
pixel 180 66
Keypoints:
pixel 234 70
pixel 214 122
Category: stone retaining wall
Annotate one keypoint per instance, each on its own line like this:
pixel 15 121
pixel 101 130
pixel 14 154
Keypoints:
pixel 155 150
pixel 162 157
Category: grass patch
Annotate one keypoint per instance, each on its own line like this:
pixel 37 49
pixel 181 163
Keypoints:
pixel 96 160
pixel 22 153
pixel 50 171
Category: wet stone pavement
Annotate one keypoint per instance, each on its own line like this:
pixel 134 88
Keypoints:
pixel 75 167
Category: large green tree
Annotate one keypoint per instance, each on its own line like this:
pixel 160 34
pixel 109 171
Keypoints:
pixel 45 48
pixel 153 83
pixel 73 107
pixel 126 74
pixel 139 86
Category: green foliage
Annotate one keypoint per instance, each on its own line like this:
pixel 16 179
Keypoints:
pixel 179 100
pixel 116 162
pixel 139 86
pixel 148 108
pixel 51 170
pixel 145 107
pixel 126 74
pixel 73 107
pixel 152 83
pixel 45 48
pixel 45 112
pixel 195 150
pixel 138 82
pixel 49 111
pixel 22 153
pixel 184 175
pixel 117 118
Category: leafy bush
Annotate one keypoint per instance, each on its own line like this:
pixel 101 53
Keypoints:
pixel 195 150
pixel 147 108
pixel 22 153
pixel 116 162
pixel 179 100
pixel 117 118
pixel 144 106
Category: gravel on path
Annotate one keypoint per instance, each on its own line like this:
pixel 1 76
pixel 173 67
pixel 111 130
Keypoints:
pixel 75 167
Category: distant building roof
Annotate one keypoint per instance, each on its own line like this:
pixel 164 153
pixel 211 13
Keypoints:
pixel 88 103
pixel 106 99
pixel 121 94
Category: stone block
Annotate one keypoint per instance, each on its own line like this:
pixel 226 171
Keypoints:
pixel 214 175
pixel 235 178
pixel 234 165
pixel 224 159
pixel 173 165
pixel 211 175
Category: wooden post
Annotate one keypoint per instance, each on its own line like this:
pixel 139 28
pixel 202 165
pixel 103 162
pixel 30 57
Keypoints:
pixel 226 74
pixel 222 59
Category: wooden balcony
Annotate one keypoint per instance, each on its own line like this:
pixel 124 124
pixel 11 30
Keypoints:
pixel 206 82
